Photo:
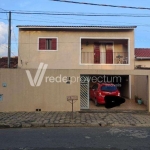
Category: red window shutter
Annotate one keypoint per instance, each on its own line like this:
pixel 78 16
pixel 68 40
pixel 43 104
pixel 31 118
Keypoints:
pixel 96 54
pixel 54 44
pixel 42 44
pixel 109 56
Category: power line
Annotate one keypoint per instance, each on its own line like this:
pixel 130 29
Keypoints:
pixel 54 21
pixel 82 14
pixel 81 19
pixel 77 14
pixel 13 53
pixel 80 23
pixel 3 9
pixel 2 12
pixel 102 5
pixel 97 22
pixel 15 37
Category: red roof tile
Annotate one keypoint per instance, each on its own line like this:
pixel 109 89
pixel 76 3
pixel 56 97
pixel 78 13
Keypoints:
pixel 142 52
pixel 13 62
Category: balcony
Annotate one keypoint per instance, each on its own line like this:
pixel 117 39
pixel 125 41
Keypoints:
pixel 104 51
pixel 108 57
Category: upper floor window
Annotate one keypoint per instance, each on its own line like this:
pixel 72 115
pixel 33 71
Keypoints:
pixel 104 51
pixel 47 43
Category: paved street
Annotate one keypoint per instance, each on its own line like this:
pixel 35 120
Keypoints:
pixel 89 138
pixel 64 119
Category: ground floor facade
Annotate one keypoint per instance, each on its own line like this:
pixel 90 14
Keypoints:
pixel 23 90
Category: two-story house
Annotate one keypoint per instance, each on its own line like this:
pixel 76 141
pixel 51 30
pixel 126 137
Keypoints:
pixel 77 47
pixel 68 59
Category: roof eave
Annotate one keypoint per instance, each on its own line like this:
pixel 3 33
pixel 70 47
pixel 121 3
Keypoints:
pixel 142 58
pixel 79 28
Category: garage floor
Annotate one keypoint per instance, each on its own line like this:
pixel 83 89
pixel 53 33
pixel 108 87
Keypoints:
pixel 128 105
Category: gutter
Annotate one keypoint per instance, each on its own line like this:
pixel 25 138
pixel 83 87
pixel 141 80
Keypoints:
pixel 78 27
pixel 146 68
pixel 142 58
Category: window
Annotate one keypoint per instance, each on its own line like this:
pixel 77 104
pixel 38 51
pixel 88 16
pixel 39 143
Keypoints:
pixel 108 88
pixel 47 44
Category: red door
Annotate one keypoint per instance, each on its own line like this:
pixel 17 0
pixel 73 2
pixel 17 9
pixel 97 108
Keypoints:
pixel 96 54
pixel 109 56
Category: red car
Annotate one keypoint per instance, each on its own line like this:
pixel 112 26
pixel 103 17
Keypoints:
pixel 100 90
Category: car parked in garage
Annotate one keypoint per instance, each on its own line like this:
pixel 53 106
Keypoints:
pixel 99 90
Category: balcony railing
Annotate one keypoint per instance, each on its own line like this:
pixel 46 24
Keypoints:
pixel 104 58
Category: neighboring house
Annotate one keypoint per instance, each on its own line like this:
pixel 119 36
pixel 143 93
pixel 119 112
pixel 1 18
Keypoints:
pixel 142 58
pixel 69 51
pixel 13 62
pixel 142 62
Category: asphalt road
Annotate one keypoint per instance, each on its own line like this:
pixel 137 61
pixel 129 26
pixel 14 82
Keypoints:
pixel 97 138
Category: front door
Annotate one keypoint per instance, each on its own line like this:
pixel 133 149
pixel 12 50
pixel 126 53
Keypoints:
pixel 96 54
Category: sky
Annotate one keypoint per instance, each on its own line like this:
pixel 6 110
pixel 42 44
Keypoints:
pixel 142 32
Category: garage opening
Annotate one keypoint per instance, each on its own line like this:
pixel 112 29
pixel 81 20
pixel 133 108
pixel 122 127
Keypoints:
pixel 120 81
pixel 126 87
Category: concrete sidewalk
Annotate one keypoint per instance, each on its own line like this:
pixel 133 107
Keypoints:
pixel 80 119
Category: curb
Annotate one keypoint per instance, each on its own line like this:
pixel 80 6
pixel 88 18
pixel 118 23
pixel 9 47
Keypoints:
pixel 40 125
pixel 37 125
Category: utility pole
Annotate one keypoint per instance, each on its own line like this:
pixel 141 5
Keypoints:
pixel 9 39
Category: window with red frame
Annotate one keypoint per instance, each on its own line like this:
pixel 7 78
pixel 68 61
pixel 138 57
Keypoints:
pixel 47 44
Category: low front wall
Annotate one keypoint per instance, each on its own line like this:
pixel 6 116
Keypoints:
pixel 19 95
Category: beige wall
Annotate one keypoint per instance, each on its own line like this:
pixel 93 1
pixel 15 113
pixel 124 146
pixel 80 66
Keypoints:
pixel 68 54
pixel 132 86
pixel 141 88
pixel 144 63
pixel 20 96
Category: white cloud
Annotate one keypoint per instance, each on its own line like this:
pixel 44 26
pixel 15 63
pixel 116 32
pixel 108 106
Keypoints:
pixel 3 50
pixel 3 39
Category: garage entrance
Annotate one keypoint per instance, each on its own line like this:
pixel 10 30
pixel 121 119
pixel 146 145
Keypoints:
pixel 122 82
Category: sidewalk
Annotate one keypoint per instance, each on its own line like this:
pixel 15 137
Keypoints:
pixel 80 119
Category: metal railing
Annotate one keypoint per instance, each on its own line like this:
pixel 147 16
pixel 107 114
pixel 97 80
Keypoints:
pixel 104 58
